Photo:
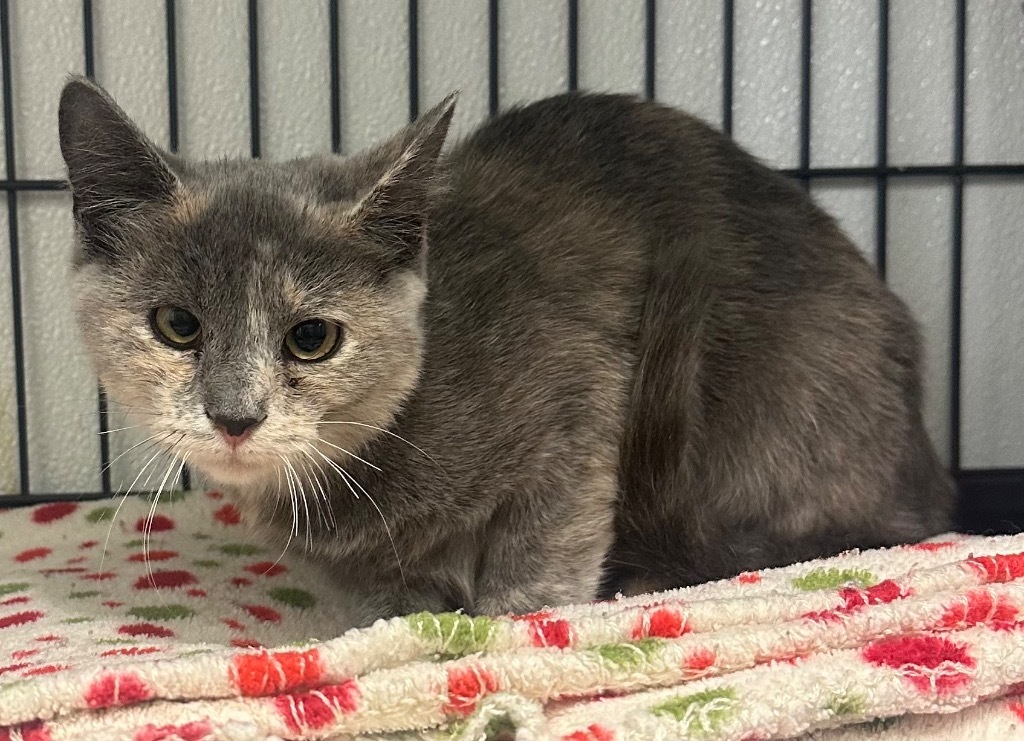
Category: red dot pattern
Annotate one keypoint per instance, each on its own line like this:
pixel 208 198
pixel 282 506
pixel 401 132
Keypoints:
pixel 34 731
pixel 113 690
pixel 999 568
pixel 311 711
pixel 699 661
pixel 32 554
pixel 199 730
pixel 228 514
pixel 157 555
pixel 266 568
pixel 661 622
pixel 273 672
pixel 931 664
pixel 20 618
pixel 593 732
pixel 979 607
pixel 466 686
pixel 48 513
pixel 166 580
pixel 158 524
pixel 148 630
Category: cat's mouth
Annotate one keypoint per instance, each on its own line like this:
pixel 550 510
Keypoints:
pixel 236 466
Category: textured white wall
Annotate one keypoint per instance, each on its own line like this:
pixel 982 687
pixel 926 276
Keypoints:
pixel 294 105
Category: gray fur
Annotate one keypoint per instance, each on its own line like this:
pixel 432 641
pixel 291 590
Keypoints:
pixel 610 351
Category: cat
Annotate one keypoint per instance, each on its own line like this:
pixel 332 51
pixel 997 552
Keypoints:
pixel 594 347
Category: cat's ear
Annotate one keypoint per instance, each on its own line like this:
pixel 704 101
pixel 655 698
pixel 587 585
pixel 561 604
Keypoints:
pixel 112 167
pixel 394 210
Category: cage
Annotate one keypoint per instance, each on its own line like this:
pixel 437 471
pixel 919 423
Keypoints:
pixel 904 118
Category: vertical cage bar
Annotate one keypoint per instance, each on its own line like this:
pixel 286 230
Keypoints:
pixel 650 48
pixel 173 137
pixel 101 402
pixel 254 78
pixel 882 143
pixel 728 55
pixel 335 61
pixel 12 226
pixel 805 92
pixel 89 37
pixel 172 73
pixel 573 45
pixel 414 59
pixel 956 324
pixel 493 58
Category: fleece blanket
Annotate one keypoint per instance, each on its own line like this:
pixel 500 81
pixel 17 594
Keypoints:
pixel 178 623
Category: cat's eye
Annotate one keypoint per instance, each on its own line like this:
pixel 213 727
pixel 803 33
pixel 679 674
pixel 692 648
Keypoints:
pixel 313 340
pixel 176 327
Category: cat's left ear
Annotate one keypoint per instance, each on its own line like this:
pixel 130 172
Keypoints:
pixel 394 211
pixel 112 167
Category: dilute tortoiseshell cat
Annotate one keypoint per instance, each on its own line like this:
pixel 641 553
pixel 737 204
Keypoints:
pixel 596 346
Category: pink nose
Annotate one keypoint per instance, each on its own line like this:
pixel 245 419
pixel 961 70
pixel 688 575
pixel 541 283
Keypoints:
pixel 235 431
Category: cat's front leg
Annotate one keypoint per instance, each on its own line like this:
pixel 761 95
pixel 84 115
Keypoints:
pixel 543 559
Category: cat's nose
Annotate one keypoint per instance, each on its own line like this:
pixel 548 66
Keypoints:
pixel 235 429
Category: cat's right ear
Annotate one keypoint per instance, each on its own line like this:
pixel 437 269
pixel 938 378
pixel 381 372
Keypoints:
pixel 113 168
pixel 394 210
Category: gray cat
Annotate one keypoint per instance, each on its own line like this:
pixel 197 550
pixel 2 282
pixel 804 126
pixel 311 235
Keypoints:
pixel 595 347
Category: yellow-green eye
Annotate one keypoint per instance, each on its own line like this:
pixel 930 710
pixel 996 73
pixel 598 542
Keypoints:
pixel 312 340
pixel 177 327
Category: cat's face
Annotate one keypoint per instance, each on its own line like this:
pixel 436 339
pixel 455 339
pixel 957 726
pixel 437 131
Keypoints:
pixel 254 317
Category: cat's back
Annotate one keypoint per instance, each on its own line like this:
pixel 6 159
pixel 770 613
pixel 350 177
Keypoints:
pixel 567 197
pixel 615 146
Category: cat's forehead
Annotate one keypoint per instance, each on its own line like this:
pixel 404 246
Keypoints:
pixel 268 227
pixel 227 245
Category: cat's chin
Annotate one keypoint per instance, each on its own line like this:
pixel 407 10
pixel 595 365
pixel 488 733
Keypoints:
pixel 237 474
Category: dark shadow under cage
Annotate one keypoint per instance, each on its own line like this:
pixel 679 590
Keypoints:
pixel 990 499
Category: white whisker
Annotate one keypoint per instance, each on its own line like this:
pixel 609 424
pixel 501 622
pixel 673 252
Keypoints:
pixel 386 432
pixel 147 535
pixel 336 467
pixel 124 498
pixel 305 505
pixel 323 492
pixel 119 429
pixel 126 452
pixel 348 452
pixel 308 472
pixel 387 528
pixel 295 512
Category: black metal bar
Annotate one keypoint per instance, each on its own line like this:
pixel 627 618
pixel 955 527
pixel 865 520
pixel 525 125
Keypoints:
pixel 101 396
pixel 172 74
pixel 30 500
pixel 728 56
pixel 990 501
pixel 90 55
pixel 882 137
pixel 254 79
pixel 650 48
pixel 1009 169
pixel 414 59
pixel 805 90
pixel 173 135
pixel 957 236
pixel 573 44
pixel 33 185
pixel 493 57
pixel 335 62
pixel 12 226
pixel 924 171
